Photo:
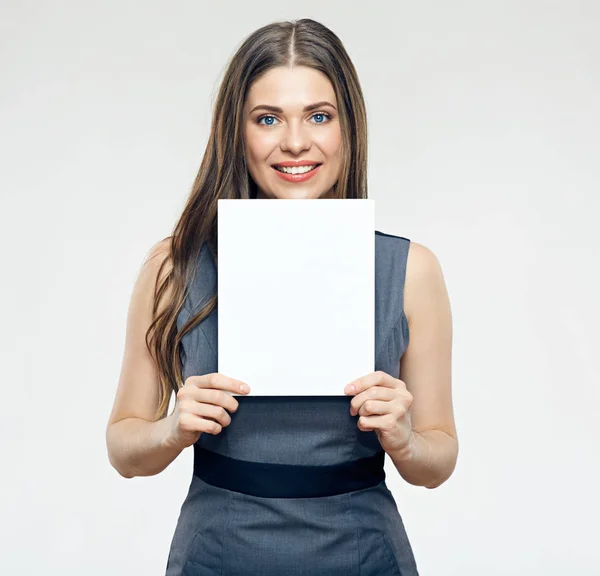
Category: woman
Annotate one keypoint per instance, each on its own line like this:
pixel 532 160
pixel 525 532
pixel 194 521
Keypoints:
pixel 285 485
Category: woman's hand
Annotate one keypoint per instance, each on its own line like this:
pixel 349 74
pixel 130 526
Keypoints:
pixel 383 404
pixel 202 405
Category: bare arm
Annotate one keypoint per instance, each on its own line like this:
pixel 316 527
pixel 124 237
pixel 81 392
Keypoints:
pixel 426 371
pixel 137 445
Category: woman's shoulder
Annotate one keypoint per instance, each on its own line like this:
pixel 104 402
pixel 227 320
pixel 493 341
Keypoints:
pixel 421 259
pixel 157 264
pixel 159 251
pixel 424 281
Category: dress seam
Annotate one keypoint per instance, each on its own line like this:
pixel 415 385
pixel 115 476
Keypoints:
pixel 226 531
pixel 200 327
pixel 356 530
pixel 389 335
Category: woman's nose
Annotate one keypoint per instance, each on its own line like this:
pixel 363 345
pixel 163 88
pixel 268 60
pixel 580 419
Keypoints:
pixel 295 139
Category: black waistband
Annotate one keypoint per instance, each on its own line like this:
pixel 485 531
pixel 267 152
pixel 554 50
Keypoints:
pixel 284 480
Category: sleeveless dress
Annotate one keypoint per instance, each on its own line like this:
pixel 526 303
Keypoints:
pixel 265 496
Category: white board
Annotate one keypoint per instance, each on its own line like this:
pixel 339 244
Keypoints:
pixel 296 293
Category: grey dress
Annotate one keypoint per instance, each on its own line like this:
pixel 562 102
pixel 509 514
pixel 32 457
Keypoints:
pixel 292 486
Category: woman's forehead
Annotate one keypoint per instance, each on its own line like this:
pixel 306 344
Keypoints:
pixel 290 88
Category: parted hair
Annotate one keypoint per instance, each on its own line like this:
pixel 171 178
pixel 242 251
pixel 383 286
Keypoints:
pixel 223 172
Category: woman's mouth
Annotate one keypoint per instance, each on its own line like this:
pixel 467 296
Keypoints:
pixel 296 173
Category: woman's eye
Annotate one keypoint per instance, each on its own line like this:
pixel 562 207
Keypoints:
pixel 322 115
pixel 266 118
pixel 270 120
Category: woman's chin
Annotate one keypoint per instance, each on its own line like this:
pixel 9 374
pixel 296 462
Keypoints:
pixel 297 193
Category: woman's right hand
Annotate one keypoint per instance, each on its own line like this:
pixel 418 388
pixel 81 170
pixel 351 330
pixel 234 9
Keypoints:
pixel 201 406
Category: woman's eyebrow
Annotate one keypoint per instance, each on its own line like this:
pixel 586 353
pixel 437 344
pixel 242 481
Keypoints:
pixel 278 110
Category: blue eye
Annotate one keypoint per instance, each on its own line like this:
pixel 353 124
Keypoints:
pixel 322 114
pixel 264 117
pixel 267 118
pixel 272 118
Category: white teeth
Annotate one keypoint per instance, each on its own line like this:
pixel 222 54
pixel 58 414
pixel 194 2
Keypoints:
pixel 296 169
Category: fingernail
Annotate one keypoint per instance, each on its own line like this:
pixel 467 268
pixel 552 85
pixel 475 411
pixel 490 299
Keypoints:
pixel 245 388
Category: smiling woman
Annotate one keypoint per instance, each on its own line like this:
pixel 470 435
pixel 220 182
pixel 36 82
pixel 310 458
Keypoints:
pixel 284 485
pixel 300 140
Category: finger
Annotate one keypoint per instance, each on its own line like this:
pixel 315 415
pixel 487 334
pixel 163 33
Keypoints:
pixel 194 423
pixel 375 407
pixel 379 422
pixel 221 382
pixel 216 381
pixel 375 393
pixel 211 412
pixel 378 378
pixel 214 397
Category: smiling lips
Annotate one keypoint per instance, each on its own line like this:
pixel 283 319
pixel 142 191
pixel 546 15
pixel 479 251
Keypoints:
pixel 296 171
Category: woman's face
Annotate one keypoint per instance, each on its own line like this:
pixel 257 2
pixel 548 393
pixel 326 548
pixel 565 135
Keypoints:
pixel 290 116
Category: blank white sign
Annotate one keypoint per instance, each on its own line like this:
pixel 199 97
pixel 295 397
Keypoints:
pixel 296 293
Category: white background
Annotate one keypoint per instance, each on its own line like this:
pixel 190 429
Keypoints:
pixel 483 123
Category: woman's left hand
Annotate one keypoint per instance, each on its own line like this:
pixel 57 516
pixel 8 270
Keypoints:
pixel 383 404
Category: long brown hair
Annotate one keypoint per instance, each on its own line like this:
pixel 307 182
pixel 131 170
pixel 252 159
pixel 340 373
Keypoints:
pixel 223 172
